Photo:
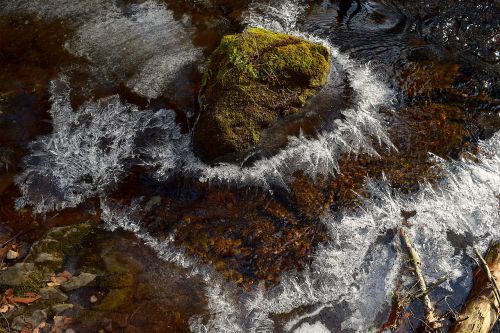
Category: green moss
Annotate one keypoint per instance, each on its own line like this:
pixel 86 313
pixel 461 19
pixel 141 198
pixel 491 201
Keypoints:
pixel 252 80
pixel 266 56
pixel 33 282
pixel 116 280
pixel 57 243
pixel 300 59
pixel 115 299
pixel 69 237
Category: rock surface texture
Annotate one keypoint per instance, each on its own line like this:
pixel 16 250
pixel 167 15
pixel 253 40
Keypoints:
pixel 253 80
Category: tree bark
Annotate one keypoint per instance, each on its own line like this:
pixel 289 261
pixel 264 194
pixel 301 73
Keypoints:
pixel 481 310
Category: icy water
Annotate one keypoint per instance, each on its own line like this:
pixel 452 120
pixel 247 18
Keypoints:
pixel 97 105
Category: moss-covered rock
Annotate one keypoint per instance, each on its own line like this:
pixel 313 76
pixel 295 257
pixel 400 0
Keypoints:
pixel 49 252
pixel 252 80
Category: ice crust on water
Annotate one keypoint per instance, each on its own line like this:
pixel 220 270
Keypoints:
pixel 91 149
pixel 143 46
pixel 317 327
pixel 146 48
pixel 76 11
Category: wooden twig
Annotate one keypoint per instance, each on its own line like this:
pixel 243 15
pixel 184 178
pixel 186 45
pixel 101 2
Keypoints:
pixel 430 288
pixel 431 319
pixel 11 239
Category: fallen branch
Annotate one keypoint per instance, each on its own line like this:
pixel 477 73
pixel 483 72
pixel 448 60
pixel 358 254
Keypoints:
pixel 431 319
pixel 481 310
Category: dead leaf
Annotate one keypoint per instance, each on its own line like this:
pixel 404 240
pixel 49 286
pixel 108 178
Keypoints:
pixel 25 300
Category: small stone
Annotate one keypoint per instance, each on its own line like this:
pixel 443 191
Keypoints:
pixel 53 294
pixel 11 255
pixel 93 299
pixel 59 308
pixel 82 280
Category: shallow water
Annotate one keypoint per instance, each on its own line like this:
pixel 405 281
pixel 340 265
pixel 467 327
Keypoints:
pixel 97 103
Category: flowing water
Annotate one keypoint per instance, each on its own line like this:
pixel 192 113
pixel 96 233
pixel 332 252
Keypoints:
pixel 97 105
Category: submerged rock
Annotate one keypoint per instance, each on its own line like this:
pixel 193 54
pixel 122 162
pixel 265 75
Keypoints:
pixel 254 79
pixel 82 280
pixel 52 294
pixel 49 251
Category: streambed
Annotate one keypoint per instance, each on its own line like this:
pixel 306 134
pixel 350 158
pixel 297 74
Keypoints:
pixel 98 101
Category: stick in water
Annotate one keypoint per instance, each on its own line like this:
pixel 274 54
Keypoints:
pixel 431 320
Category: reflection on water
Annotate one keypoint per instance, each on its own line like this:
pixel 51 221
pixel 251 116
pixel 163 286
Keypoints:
pixel 97 99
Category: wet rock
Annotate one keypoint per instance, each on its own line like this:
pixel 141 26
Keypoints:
pixel 253 80
pixel 60 308
pixel 82 280
pixel 47 258
pixel 36 318
pixel 16 275
pixel 53 294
